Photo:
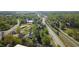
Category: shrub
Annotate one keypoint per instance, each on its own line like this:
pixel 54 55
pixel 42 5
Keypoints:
pixel 9 39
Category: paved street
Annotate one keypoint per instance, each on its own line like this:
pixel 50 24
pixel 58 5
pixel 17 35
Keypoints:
pixel 55 38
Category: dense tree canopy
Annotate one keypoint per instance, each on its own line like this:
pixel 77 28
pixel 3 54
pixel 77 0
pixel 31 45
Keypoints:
pixel 6 22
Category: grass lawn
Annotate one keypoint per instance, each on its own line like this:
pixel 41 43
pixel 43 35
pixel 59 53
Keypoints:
pixel 25 28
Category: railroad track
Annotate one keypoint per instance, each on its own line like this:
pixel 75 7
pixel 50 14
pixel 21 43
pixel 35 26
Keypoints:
pixel 68 41
pixel 65 38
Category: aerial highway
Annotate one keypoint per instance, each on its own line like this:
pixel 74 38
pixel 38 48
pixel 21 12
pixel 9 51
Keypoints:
pixel 63 39
pixel 53 35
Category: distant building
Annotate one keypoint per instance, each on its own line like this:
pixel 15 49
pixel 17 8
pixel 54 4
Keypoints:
pixel 30 33
pixel 21 35
pixel 14 32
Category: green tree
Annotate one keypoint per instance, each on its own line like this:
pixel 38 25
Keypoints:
pixel 9 39
pixel 46 40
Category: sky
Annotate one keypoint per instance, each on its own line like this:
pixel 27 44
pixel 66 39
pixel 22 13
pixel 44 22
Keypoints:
pixel 39 5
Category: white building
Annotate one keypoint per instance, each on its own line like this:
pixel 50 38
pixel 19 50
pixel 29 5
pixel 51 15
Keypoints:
pixel 29 20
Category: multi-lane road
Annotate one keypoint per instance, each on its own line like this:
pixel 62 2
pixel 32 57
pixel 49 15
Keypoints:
pixel 63 39
pixel 55 38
